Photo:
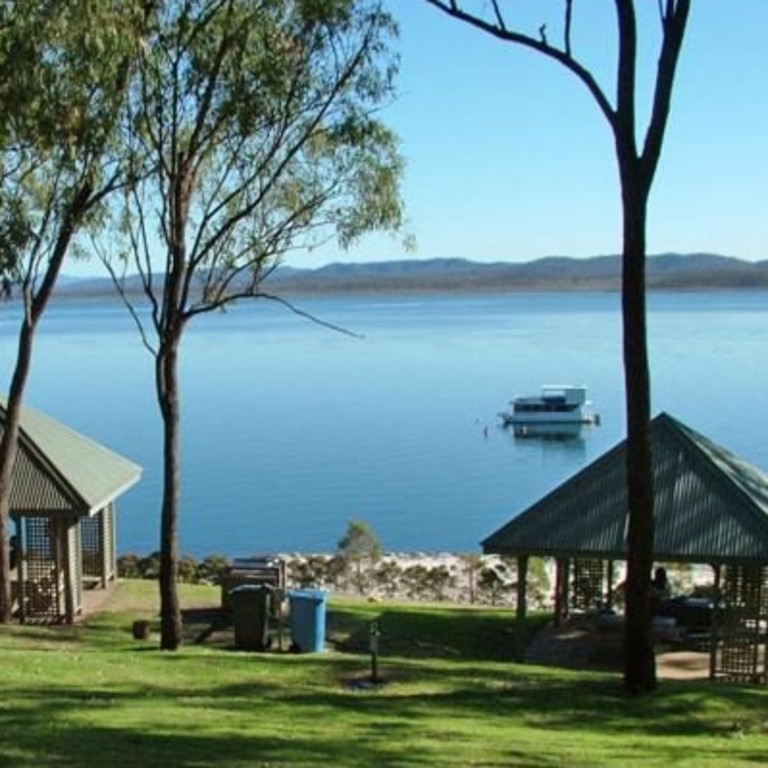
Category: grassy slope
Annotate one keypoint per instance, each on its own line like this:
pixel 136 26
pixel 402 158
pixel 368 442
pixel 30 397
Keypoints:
pixel 91 695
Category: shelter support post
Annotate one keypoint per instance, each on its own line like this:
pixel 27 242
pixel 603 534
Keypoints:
pixel 17 567
pixel 107 543
pixel 98 547
pixel 522 587
pixel 562 579
pixel 110 528
pixel 714 630
pixel 609 574
pixel 72 570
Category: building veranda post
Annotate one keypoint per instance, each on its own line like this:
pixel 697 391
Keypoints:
pixel 62 507
pixel 711 508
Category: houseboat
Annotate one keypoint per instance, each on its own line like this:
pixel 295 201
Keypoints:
pixel 557 404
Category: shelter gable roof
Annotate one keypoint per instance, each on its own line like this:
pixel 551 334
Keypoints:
pixel 745 477
pixel 59 469
pixel 710 506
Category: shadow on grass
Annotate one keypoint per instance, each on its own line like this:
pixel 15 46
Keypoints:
pixel 262 721
pixel 452 697
pixel 483 635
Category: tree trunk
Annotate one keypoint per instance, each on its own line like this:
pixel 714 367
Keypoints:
pixel 8 451
pixel 166 369
pixel 639 660
pixel 34 307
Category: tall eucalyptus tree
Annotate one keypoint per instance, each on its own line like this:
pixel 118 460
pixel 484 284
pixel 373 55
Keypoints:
pixel 637 163
pixel 64 67
pixel 253 131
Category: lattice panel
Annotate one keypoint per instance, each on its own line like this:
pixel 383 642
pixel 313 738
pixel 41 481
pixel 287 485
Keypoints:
pixel 745 592
pixel 587 585
pixel 40 587
pixel 742 649
pixel 38 541
pixel 91 545
pixel 740 656
pixel 108 515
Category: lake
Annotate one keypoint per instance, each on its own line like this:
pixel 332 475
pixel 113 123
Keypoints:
pixel 290 429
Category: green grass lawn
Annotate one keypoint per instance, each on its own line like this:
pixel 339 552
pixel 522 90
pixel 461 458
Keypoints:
pixel 454 696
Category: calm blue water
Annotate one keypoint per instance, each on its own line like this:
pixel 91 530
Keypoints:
pixel 290 429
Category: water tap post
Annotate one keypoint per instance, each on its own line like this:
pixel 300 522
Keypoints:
pixel 373 641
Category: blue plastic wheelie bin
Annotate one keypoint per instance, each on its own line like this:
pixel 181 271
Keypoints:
pixel 307 607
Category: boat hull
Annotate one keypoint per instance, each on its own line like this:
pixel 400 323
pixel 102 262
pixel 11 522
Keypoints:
pixel 509 417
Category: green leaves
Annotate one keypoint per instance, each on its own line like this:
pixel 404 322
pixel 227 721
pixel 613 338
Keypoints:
pixel 359 542
pixel 255 123
pixel 64 70
pixel 65 67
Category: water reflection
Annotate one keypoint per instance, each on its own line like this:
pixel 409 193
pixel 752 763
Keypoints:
pixel 558 443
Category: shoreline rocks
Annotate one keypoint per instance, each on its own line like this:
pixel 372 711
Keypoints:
pixel 419 576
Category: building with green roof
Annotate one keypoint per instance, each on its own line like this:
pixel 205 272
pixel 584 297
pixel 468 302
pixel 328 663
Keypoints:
pixel 63 496
pixel 711 507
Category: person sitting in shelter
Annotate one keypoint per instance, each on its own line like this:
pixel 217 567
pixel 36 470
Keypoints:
pixel 659 588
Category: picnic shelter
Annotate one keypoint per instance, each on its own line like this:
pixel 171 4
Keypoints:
pixel 62 508
pixel 711 508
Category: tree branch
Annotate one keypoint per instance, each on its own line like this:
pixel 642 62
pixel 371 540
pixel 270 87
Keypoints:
pixel 675 22
pixel 291 151
pixel 626 76
pixel 309 316
pixel 119 284
pixel 451 8
pixel 499 17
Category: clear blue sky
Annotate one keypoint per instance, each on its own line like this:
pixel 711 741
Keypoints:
pixel 509 159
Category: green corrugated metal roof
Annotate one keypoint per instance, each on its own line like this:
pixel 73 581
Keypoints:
pixel 710 506
pixel 58 469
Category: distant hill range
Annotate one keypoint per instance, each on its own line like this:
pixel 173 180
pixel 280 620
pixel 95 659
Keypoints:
pixel 698 271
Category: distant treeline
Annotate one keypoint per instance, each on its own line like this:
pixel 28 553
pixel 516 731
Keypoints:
pixel 664 272
pixel 698 271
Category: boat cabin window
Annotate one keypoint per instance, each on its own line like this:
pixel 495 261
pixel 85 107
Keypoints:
pixel 546 407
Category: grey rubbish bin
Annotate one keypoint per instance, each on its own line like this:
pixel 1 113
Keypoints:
pixel 250 616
